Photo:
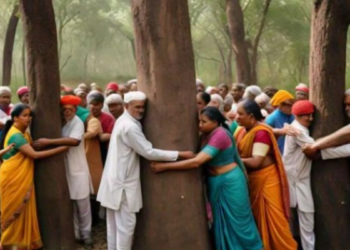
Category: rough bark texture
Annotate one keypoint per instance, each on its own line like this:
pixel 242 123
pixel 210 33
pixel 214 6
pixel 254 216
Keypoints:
pixel 237 33
pixel 8 47
pixel 330 179
pixel 173 216
pixel 53 203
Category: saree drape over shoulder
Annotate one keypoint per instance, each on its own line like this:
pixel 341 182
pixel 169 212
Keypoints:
pixel 269 194
pixel 233 222
pixel 19 224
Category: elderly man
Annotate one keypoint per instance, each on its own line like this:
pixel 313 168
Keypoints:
pixel 132 84
pixel 251 92
pixel 77 169
pixel 82 94
pixel 302 92
pixel 200 86
pixel 123 89
pixel 336 145
pixel 237 92
pixel 23 94
pixel 115 105
pixel 298 170
pixel 120 189
pixel 270 91
pixel 283 102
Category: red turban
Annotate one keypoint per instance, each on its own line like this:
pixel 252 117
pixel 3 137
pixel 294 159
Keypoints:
pixel 22 91
pixel 70 100
pixel 113 86
pixel 303 107
pixel 302 87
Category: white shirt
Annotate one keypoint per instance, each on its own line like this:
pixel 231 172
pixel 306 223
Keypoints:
pixel 122 168
pixel 77 169
pixel 298 168
pixel 336 152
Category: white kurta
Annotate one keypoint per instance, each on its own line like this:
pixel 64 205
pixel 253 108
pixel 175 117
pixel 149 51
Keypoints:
pixel 122 168
pixel 336 152
pixel 77 169
pixel 298 168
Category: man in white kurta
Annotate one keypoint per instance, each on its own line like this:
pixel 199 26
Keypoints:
pixel 298 170
pixel 120 188
pixel 77 169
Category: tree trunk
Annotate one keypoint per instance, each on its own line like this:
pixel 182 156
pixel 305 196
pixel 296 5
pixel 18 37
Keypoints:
pixel 24 63
pixel 173 216
pixel 8 47
pixel 330 179
pixel 229 77
pixel 53 202
pixel 237 33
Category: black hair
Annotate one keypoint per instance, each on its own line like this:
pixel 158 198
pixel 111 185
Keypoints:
pixel 214 114
pixel 16 111
pixel 205 97
pixel 251 107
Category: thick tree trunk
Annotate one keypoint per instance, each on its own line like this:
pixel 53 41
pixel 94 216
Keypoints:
pixel 53 203
pixel 8 47
pixel 173 216
pixel 237 33
pixel 330 179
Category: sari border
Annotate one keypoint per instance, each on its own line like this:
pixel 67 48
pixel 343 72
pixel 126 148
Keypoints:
pixel 34 245
pixel 16 214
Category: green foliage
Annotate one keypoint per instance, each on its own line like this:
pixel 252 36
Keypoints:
pixel 96 40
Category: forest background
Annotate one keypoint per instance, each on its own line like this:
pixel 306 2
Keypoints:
pixel 96 41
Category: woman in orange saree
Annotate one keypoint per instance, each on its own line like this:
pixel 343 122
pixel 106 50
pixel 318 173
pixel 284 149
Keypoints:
pixel 19 224
pixel 268 184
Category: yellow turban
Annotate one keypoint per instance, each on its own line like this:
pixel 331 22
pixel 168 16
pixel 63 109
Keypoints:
pixel 281 96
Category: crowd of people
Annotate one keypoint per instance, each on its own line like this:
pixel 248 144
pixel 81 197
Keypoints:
pixel 256 150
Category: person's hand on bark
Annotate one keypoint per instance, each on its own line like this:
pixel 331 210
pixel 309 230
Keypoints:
pixel 41 143
pixel 157 167
pixel 310 151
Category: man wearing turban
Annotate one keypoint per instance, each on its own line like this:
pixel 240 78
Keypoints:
pixel 23 94
pixel 283 102
pixel 302 92
pixel 115 105
pixel 112 88
pixel 298 170
pixel 120 189
pixel 77 169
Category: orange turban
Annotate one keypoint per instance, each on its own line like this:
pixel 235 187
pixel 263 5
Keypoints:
pixel 281 96
pixel 70 100
pixel 303 107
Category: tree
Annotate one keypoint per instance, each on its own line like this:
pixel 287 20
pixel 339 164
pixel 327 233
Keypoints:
pixel 53 202
pixel 8 47
pixel 330 179
pixel 174 215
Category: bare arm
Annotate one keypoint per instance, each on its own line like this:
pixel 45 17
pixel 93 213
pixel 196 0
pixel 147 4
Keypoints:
pixel 253 162
pixel 104 137
pixel 338 138
pixel 30 152
pixel 199 160
pixel 65 141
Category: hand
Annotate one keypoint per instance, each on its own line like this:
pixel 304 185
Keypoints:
pixel 157 167
pixel 186 155
pixel 290 130
pixel 41 143
pixel 309 150
pixel 8 148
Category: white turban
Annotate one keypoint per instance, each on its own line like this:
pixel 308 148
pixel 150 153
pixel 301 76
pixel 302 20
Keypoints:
pixel 262 98
pixel 228 100
pixel 5 89
pixel 134 96
pixel 199 81
pixel 252 91
pixel 131 81
pixel 114 98
pixel 218 98
pixel 79 91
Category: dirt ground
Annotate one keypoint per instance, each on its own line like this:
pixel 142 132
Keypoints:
pixel 99 238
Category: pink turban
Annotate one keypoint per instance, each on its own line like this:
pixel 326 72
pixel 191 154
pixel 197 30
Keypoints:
pixel 22 91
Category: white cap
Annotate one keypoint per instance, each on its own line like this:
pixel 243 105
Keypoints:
pixel 134 96
pixel 114 98
pixel 5 89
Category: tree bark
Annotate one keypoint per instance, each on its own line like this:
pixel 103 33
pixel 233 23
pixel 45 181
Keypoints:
pixel 237 33
pixel 53 202
pixel 8 47
pixel 330 179
pixel 23 59
pixel 173 216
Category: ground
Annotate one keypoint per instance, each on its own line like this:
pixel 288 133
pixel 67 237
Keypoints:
pixel 99 238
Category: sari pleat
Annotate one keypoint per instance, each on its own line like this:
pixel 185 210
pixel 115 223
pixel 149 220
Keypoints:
pixel 19 224
pixel 269 194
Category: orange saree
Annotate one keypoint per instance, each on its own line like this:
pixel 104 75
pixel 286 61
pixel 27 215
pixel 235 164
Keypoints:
pixel 269 194
pixel 19 223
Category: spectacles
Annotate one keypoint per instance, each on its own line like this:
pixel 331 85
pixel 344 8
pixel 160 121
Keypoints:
pixel 284 104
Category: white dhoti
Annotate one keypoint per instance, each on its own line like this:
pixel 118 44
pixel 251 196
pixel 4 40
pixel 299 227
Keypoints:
pixel 120 226
pixel 82 218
